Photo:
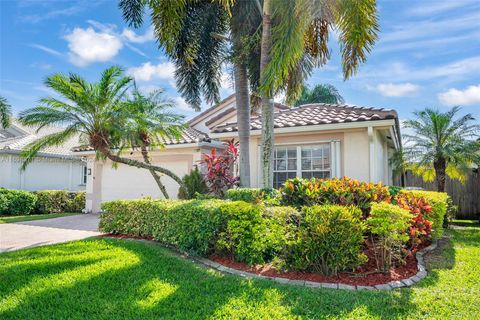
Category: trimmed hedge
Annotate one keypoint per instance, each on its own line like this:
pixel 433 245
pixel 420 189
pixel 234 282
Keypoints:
pixel 16 202
pixel 438 201
pixel 57 201
pixel 253 195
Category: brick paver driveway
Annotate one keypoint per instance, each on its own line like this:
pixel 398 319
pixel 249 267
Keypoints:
pixel 20 235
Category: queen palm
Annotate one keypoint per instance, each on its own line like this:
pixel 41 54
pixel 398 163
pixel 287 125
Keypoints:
pixel 441 145
pixel 92 110
pixel 147 122
pixel 5 112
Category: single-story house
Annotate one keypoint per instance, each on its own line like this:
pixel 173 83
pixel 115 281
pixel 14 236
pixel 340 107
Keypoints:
pixel 56 168
pixel 316 140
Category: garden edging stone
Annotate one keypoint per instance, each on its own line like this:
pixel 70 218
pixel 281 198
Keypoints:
pixel 421 273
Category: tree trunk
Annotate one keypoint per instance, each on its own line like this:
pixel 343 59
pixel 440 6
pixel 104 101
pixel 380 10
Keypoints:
pixel 243 119
pixel 154 174
pixel 141 165
pixel 440 166
pixel 267 103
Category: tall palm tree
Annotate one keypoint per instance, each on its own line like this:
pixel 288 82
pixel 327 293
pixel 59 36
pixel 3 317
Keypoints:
pixel 321 93
pixel 194 34
pixel 295 38
pixel 147 122
pixel 5 113
pixel 93 110
pixel 441 145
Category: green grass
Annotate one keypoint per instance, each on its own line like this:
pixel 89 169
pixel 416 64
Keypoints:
pixel 30 217
pixel 122 279
pixel 466 223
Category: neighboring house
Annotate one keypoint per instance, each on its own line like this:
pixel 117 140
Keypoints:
pixel 55 168
pixel 318 140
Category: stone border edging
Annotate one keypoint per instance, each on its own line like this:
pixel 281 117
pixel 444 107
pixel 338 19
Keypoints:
pixel 421 273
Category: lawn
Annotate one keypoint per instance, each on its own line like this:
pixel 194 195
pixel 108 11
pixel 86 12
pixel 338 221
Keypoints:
pixel 30 217
pixel 121 279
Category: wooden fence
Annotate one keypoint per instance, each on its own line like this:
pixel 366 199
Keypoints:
pixel 465 196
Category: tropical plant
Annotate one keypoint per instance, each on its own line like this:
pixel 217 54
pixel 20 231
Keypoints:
pixel 440 145
pixel 220 176
pixel 193 184
pixel 321 93
pixel 93 111
pixel 5 113
pixel 147 122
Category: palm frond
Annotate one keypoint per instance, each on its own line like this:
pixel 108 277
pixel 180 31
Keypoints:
pixel 5 113
pixel 132 11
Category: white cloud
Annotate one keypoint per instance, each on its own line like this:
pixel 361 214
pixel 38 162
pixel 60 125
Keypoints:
pixel 46 49
pixel 181 104
pixel 453 97
pixel 131 36
pixel 397 89
pixel 88 46
pixel 427 8
pixel 41 65
pixel 149 71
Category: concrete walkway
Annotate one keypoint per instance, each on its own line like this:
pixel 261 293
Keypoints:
pixel 21 235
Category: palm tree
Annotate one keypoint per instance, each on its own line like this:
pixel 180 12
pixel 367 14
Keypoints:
pixel 321 93
pixel 92 110
pixel 147 121
pixel 5 113
pixel 295 39
pixel 441 145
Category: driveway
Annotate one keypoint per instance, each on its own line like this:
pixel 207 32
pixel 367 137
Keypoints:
pixel 21 235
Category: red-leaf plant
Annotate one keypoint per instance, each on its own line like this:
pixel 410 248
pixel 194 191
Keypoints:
pixel 421 228
pixel 220 176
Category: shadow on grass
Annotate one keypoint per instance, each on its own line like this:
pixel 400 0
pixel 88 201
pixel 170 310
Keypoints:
pixel 121 279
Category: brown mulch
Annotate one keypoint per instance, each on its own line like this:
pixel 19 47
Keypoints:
pixel 365 275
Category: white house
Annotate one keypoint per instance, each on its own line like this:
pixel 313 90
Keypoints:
pixel 318 140
pixel 56 168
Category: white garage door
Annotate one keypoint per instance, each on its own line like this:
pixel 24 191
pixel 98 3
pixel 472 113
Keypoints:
pixel 126 182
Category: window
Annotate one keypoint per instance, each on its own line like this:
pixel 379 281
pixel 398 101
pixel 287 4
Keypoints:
pixel 302 161
pixel 84 175
pixel 284 165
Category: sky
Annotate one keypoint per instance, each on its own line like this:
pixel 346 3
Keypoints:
pixel 427 55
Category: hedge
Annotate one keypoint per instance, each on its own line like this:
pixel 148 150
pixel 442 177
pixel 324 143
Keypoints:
pixel 16 202
pixel 19 202
pixel 253 195
pixel 438 201
pixel 57 201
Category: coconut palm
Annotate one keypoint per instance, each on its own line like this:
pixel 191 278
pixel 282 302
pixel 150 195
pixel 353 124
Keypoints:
pixel 147 122
pixel 92 110
pixel 321 93
pixel 5 113
pixel 441 145
pixel 294 39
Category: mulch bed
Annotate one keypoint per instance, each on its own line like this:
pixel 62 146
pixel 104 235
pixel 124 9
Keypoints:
pixel 365 275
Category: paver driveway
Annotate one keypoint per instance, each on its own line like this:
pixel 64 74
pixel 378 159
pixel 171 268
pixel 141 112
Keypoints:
pixel 20 235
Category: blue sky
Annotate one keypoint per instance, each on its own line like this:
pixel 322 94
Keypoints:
pixel 428 54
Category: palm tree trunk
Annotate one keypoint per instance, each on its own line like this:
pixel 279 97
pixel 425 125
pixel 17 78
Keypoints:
pixel 141 165
pixel 267 103
pixel 243 119
pixel 440 167
pixel 154 174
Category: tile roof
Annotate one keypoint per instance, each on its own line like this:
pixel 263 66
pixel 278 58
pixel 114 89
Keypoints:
pixel 316 114
pixel 189 135
pixel 29 134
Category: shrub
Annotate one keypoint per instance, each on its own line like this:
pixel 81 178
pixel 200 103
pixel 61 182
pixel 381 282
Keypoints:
pixel 420 228
pixel 192 183
pixel 438 201
pixel 191 226
pixel 220 176
pixel 345 191
pixel 388 225
pixel 17 202
pixel 3 203
pixel 57 201
pixel 330 239
pixel 253 195
pixel 394 190
pixel 451 213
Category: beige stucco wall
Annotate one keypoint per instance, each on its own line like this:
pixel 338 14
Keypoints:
pixel 356 154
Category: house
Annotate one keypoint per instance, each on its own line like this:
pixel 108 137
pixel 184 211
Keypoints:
pixel 317 140
pixel 54 169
